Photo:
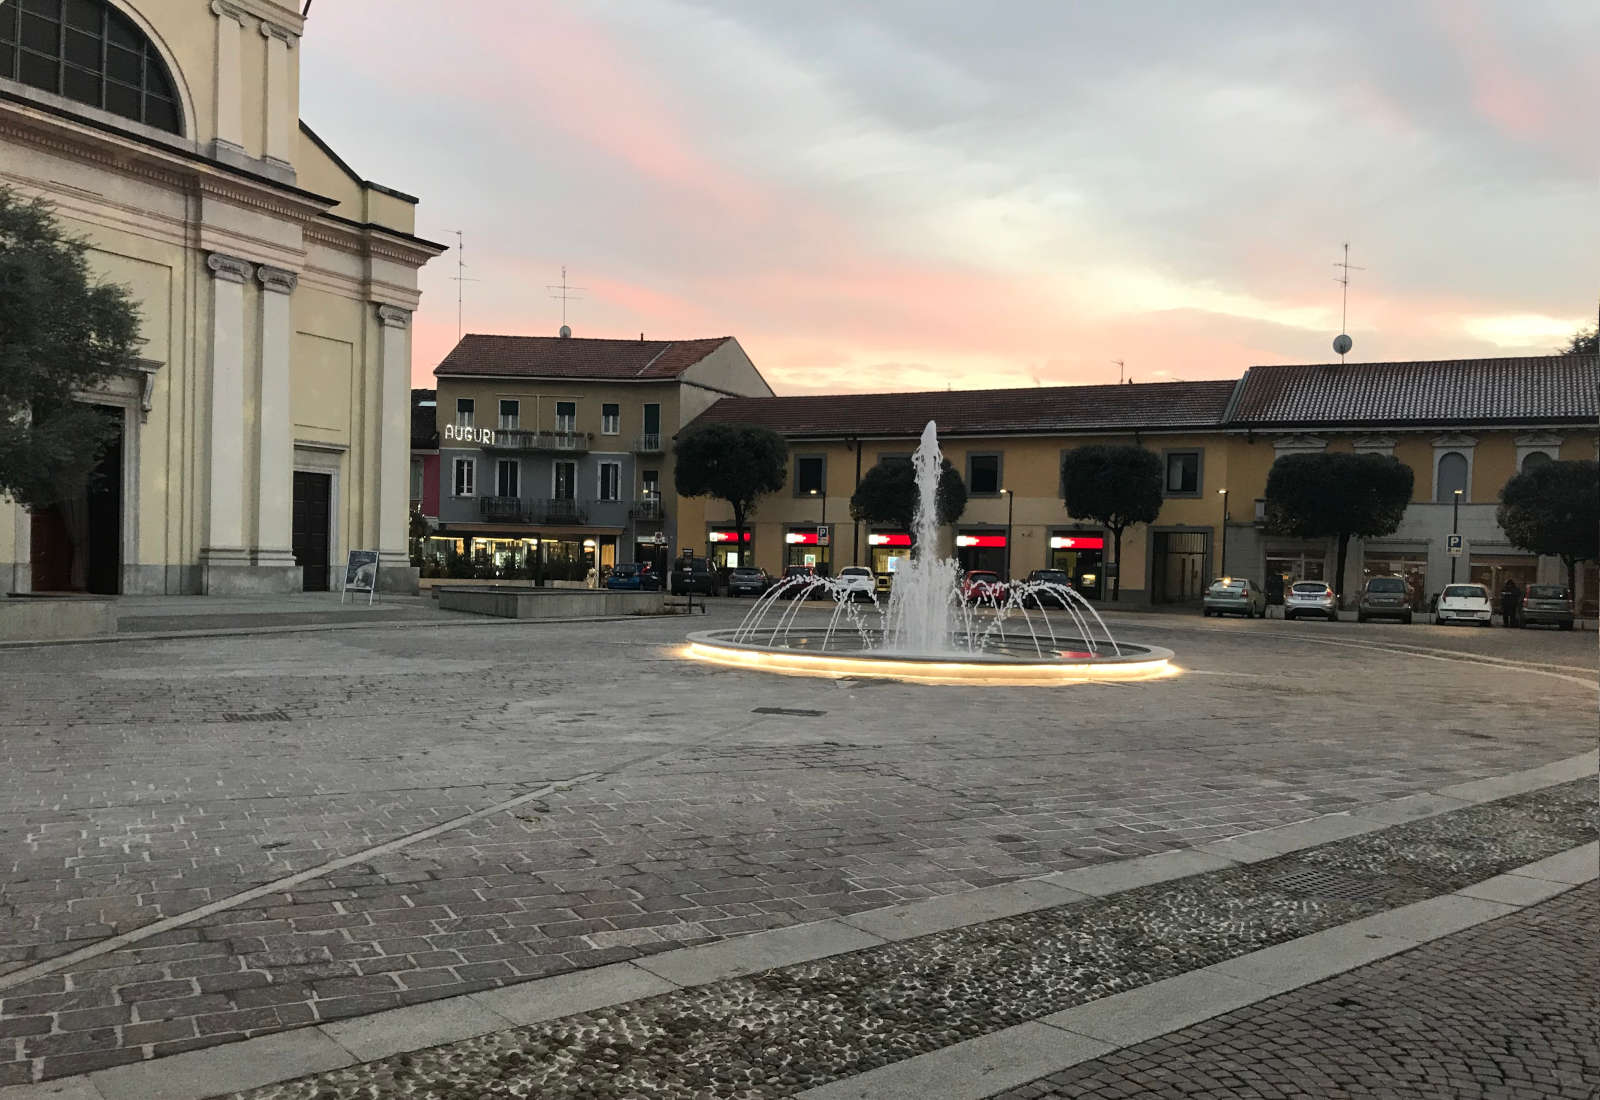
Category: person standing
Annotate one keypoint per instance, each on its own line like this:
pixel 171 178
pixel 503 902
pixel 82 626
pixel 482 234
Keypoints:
pixel 1510 603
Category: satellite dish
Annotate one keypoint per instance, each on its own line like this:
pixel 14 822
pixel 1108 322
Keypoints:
pixel 1342 343
pixel 565 332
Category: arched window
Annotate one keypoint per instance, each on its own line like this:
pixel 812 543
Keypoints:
pixel 88 51
pixel 1452 476
pixel 1534 458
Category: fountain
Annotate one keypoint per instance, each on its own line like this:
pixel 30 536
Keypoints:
pixel 927 631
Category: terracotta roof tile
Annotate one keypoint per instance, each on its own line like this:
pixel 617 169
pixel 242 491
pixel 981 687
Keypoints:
pixel 574 357
pixel 1453 391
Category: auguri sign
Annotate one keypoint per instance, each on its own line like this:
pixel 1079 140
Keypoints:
pixel 469 435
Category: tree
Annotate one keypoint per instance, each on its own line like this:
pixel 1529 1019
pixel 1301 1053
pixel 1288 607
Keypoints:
pixel 887 494
pixel 1116 486
pixel 1314 496
pixel 1586 341
pixel 1554 508
pixel 60 335
pixel 738 463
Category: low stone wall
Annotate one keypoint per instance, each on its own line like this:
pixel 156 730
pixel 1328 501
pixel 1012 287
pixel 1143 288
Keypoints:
pixel 40 618
pixel 549 603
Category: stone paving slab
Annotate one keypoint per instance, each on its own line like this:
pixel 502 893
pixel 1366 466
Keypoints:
pixel 550 998
pixel 1155 1009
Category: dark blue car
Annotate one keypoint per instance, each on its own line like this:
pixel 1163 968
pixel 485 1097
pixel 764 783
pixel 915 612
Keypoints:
pixel 633 576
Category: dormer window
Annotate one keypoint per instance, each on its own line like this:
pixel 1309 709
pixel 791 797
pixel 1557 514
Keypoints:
pixel 88 51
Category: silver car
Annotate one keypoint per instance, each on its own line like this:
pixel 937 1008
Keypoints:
pixel 1235 596
pixel 1310 598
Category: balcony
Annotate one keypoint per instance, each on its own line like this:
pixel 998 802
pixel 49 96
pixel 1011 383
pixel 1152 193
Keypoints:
pixel 647 509
pixel 525 439
pixel 647 443
pixel 519 510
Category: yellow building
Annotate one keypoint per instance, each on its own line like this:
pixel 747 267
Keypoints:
pixel 555 452
pixel 1467 424
pixel 266 430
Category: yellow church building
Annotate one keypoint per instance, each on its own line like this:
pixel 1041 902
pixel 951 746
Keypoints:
pixel 266 430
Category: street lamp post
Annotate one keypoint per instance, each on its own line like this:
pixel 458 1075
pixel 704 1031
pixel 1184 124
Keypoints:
pixel 823 522
pixel 1011 499
pixel 1455 529
pixel 1222 565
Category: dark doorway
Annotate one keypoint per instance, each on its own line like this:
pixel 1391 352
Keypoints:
pixel 1178 569
pixel 313 494
pixel 76 545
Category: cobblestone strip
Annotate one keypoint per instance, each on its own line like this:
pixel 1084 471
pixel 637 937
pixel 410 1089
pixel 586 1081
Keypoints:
pixel 1504 1011
pixel 779 1032
pixel 17 978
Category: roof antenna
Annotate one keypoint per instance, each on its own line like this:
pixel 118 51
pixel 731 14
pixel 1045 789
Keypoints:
pixel 461 280
pixel 1342 343
pixel 566 295
pixel 1121 371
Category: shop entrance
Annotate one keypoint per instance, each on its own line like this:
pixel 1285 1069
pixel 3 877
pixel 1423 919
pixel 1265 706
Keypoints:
pixel 802 547
pixel 1179 566
pixel 725 553
pixel 313 498
pixel 1081 557
pixel 76 545
pixel 975 550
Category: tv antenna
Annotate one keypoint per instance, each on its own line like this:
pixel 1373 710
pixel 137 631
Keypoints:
pixel 461 280
pixel 1121 370
pixel 1342 342
pixel 566 296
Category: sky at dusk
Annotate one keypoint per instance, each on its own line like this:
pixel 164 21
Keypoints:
pixel 910 194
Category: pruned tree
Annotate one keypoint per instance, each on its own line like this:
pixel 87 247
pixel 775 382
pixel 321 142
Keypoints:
pixel 61 334
pixel 1337 495
pixel 738 463
pixel 887 495
pixel 1554 508
pixel 1114 485
pixel 1586 341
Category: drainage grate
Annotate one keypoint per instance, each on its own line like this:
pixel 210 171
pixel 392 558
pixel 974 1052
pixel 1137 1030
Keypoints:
pixel 1330 884
pixel 790 711
pixel 264 716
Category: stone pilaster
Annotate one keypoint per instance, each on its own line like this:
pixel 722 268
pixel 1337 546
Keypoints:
pixel 275 432
pixel 224 548
pixel 279 97
pixel 229 141
pixel 395 571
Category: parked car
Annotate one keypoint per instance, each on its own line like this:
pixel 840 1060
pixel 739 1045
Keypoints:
pixel 1547 605
pixel 748 582
pixel 693 575
pixel 1310 598
pixel 1235 596
pixel 632 576
pixel 795 576
pixel 1384 598
pixel 858 581
pixel 1465 603
pixel 983 585
pixel 1048 598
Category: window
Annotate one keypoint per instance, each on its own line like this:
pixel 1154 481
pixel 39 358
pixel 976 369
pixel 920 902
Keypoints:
pixel 610 481
pixel 809 475
pixel 88 51
pixel 983 475
pixel 510 414
pixel 506 475
pixel 1534 458
pixel 610 419
pixel 416 479
pixel 466 477
pixel 566 416
pixel 464 410
pixel 652 420
pixel 1183 473
pixel 1452 476
pixel 565 478
pixel 650 484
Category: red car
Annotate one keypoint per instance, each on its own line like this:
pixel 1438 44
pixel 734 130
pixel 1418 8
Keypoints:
pixel 983 586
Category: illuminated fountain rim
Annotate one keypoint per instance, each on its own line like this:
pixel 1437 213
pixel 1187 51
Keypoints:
pixel 1136 662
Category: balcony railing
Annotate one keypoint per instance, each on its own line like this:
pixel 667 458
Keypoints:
pixel 519 510
pixel 647 443
pixel 526 439
pixel 646 508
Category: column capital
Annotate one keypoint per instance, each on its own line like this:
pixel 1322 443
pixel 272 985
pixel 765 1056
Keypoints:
pixel 276 278
pixel 230 268
pixel 282 34
pixel 227 11
pixel 393 316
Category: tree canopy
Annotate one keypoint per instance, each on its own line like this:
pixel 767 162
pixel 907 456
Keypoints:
pixel 1586 341
pixel 887 494
pixel 1554 508
pixel 1114 485
pixel 738 463
pixel 61 333
pixel 1337 495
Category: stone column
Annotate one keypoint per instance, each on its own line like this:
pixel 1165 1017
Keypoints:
pixel 224 551
pixel 395 571
pixel 275 433
pixel 229 141
pixel 279 146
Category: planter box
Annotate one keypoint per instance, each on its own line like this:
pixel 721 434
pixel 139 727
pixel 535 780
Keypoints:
pixel 548 603
pixel 30 618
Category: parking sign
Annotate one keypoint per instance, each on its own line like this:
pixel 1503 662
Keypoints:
pixel 1453 545
pixel 822 536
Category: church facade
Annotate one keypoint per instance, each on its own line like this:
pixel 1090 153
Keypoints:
pixel 266 429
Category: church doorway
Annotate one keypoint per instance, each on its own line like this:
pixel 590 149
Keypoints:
pixel 76 545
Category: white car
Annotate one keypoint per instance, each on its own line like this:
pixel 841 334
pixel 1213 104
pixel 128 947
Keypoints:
pixel 1465 603
pixel 858 581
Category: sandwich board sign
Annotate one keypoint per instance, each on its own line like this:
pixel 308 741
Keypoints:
pixel 361 574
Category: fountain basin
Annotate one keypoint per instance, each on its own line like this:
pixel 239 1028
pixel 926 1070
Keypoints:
pixel 1008 659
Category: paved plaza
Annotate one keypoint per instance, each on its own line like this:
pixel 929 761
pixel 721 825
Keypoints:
pixel 213 838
